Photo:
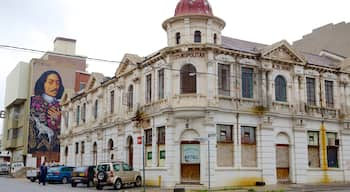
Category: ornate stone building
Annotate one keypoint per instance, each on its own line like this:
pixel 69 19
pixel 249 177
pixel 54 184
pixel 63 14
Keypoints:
pixel 248 111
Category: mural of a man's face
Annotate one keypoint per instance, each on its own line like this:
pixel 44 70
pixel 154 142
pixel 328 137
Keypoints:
pixel 51 85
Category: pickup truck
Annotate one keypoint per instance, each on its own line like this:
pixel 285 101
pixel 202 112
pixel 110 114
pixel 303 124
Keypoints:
pixel 32 174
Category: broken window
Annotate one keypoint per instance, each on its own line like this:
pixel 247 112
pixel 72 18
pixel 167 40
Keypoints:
pixel 313 149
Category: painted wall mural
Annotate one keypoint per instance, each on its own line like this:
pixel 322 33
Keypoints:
pixel 45 113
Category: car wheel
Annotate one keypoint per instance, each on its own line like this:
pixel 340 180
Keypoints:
pixel 101 176
pixel 99 187
pixel 118 184
pixel 74 184
pixel 138 182
pixel 32 179
pixel 64 180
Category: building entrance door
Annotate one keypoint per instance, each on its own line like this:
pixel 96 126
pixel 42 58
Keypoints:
pixel 282 162
pixel 190 162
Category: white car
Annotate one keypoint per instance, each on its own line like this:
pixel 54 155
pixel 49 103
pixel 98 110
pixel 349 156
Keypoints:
pixel 4 168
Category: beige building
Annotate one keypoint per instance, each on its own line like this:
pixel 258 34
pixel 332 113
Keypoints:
pixel 21 86
pixel 214 108
pixel 333 38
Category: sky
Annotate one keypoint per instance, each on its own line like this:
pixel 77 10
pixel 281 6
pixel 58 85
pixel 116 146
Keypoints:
pixel 107 29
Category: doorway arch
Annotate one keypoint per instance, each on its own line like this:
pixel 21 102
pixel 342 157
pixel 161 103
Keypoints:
pixel 190 157
pixel 283 157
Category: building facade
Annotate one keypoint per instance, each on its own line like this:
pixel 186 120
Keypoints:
pixel 331 37
pixel 33 112
pixel 211 106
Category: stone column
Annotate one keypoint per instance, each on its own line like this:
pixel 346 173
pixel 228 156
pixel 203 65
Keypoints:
pixel 295 95
pixel 267 153
pixel 171 154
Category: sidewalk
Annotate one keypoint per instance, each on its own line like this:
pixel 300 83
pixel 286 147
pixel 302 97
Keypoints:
pixel 267 188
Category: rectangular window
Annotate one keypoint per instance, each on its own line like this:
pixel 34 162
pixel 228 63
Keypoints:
pixel 96 109
pixel 161 84
pixel 148 135
pixel 112 102
pixel 78 115
pixel 82 147
pixel 224 145
pixel 224 79
pixel 83 112
pixel 332 150
pixel 76 148
pixel 224 133
pixel 161 135
pixel 329 93
pixel 148 88
pixel 249 152
pixel 310 88
pixel 247 82
pixel 313 149
pixel 248 135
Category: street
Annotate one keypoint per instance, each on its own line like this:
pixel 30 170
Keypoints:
pixel 8 184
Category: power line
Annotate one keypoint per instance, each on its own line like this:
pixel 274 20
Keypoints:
pixel 57 54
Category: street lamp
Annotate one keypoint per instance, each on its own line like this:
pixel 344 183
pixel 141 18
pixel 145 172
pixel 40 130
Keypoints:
pixel 203 139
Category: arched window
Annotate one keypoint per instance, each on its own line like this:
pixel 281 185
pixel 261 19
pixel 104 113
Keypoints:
pixel 280 88
pixel 188 79
pixel 110 144
pixel 197 37
pixel 130 97
pixel 178 38
pixel 215 38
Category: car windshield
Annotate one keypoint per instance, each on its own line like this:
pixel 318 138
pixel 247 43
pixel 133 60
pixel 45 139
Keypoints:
pixel 80 169
pixel 54 169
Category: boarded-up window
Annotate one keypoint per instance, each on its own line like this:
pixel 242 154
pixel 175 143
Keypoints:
pixel 313 149
pixel 188 79
pixel 224 133
pixel 282 156
pixel 130 97
pixel 248 135
pixel 249 156
pixel 224 145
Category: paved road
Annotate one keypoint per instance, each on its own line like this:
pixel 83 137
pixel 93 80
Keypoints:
pixel 23 185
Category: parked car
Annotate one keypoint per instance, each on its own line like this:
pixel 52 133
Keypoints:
pixel 32 174
pixel 5 168
pixel 116 174
pixel 61 174
pixel 83 175
pixel 15 166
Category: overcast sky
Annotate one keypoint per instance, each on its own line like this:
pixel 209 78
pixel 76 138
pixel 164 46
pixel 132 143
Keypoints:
pixel 108 29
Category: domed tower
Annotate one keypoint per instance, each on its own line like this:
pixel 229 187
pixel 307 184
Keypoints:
pixel 193 23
